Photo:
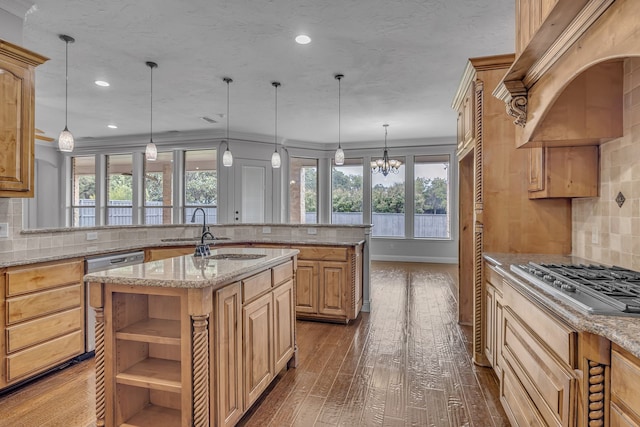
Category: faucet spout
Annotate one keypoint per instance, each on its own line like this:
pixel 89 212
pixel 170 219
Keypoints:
pixel 205 234
pixel 204 219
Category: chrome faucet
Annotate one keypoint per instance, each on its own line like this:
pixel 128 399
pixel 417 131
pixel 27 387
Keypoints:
pixel 205 229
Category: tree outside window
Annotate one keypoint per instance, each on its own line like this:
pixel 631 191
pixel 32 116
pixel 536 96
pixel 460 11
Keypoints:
pixel 431 213
pixel 388 203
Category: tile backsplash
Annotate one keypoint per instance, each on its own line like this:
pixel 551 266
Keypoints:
pixel 603 231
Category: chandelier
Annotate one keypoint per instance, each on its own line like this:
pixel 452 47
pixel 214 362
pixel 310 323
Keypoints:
pixel 385 165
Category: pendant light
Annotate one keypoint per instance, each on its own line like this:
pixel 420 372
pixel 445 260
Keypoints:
pixel 385 166
pixel 227 157
pixel 339 157
pixel 65 140
pixel 275 157
pixel 151 152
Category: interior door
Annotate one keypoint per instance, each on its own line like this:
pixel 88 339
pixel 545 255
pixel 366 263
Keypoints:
pixel 253 191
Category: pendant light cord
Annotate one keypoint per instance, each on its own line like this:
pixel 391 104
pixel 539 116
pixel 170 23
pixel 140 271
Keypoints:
pixel 228 81
pixel 275 139
pixel 66 84
pixel 339 77
pixel 151 108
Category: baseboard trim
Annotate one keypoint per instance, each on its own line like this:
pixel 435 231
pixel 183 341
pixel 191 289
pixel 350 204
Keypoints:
pixel 431 260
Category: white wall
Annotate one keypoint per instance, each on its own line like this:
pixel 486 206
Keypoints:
pixel 11 20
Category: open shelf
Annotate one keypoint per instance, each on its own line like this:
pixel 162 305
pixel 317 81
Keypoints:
pixel 157 331
pixel 154 416
pixel 151 373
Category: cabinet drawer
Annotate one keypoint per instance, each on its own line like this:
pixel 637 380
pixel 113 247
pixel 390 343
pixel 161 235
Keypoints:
pixel 559 338
pixel 256 285
pixel 493 277
pixel 625 377
pixel 43 356
pixel 25 280
pixel 43 329
pixel 319 253
pixel 516 402
pixel 42 303
pixel 548 384
pixel 282 273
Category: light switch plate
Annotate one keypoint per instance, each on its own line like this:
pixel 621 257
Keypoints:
pixel 312 231
pixel 595 236
pixel 4 229
pixel 92 235
pixel 266 230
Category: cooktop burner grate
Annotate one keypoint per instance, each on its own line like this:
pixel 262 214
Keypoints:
pixel 594 289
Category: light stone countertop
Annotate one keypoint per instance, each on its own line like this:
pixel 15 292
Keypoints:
pixel 91 248
pixel 193 272
pixel 622 330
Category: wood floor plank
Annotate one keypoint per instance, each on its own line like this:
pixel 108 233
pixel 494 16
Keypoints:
pixel 407 363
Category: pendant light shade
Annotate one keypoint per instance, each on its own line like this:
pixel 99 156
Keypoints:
pixel 227 157
pixel 339 156
pixel 151 151
pixel 65 140
pixel 276 161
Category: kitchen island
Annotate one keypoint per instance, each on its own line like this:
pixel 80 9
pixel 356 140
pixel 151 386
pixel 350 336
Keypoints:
pixel 192 341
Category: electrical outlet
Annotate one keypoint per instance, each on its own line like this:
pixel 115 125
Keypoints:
pixel 312 231
pixel 266 230
pixel 595 236
pixel 4 229
pixel 92 248
pixel 92 235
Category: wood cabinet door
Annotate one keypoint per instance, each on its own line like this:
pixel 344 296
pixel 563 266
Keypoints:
pixel 489 323
pixel 228 363
pixel 257 319
pixel 307 287
pixel 283 324
pixel 157 254
pixel 332 289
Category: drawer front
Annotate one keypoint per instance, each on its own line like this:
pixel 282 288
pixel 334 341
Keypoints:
pixel 549 385
pixel 43 356
pixel 619 419
pixel 559 338
pixel 625 378
pixel 516 402
pixel 282 273
pixel 319 253
pixel 36 305
pixel 24 280
pixel 256 285
pixel 493 277
pixel 43 329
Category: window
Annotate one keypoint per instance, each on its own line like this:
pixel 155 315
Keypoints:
pixel 200 184
pixel 158 189
pixel 431 197
pixel 387 203
pixel 346 193
pixel 119 189
pixel 83 203
pixel 303 191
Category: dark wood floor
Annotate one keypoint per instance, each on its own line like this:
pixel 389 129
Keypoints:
pixel 407 363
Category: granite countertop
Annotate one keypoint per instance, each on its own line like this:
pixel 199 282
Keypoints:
pixel 193 272
pixel 622 330
pixel 94 248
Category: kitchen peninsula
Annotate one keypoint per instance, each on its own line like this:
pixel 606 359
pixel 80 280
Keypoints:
pixel 192 341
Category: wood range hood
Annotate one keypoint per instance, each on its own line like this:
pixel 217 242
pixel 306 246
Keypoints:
pixel 566 86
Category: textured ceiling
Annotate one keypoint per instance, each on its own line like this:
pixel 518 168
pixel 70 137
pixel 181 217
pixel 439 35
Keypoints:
pixel 402 61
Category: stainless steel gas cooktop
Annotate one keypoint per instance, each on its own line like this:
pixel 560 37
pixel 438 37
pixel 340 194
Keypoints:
pixel 592 289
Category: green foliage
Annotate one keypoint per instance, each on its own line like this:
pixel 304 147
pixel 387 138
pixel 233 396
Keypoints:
pixel 153 187
pixel 120 187
pixel 310 189
pixel 388 199
pixel 347 192
pixel 87 187
pixel 430 195
pixel 201 187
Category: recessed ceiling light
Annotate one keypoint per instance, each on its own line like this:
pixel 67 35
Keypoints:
pixel 303 39
pixel 112 126
pixel 102 83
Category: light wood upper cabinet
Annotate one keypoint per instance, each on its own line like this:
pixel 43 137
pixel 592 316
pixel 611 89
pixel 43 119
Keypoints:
pixel 17 104
pixel 563 172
